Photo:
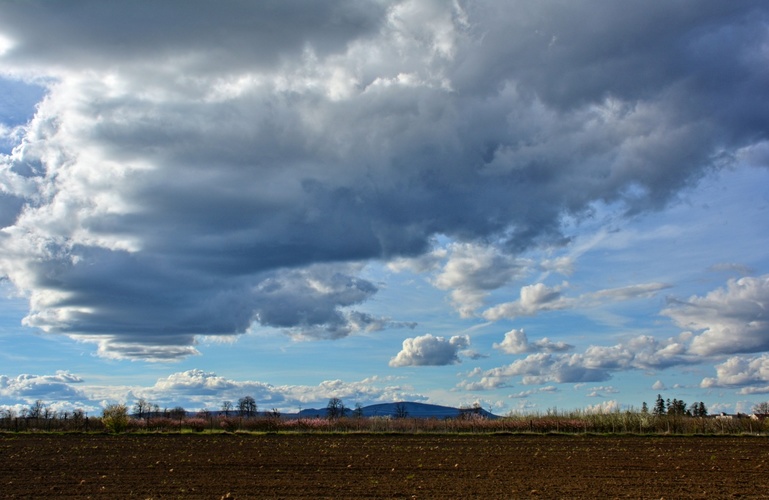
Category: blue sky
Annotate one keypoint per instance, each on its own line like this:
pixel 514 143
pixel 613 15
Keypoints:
pixel 528 204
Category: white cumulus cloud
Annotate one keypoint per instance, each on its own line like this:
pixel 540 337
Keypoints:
pixel 429 350
pixel 728 320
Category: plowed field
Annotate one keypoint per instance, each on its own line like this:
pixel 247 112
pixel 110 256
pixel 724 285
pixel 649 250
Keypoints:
pixel 382 466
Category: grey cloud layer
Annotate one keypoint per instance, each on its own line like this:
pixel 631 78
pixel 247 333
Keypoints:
pixel 195 169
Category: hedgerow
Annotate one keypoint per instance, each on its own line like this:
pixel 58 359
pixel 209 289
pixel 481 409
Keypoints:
pixel 115 419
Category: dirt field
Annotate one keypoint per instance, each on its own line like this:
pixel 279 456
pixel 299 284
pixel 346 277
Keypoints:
pixel 382 466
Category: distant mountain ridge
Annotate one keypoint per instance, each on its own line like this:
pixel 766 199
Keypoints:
pixel 403 409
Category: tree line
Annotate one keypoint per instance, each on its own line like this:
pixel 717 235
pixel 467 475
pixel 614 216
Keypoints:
pixel 676 407
pixel 666 416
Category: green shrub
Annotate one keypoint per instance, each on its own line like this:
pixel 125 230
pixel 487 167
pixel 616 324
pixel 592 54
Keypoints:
pixel 115 418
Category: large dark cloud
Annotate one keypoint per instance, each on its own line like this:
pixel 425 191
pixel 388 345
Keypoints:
pixel 208 37
pixel 197 168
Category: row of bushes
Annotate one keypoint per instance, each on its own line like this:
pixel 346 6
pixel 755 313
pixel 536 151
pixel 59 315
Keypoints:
pixel 606 423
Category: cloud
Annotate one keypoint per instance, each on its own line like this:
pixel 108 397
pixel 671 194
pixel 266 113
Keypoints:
pixel 542 368
pixel 539 297
pixel 29 388
pixel 200 186
pixel 198 388
pixel 751 374
pixel 603 407
pixel 516 342
pixel 534 298
pixel 730 320
pixel 562 265
pixel 423 263
pixel 599 391
pixel 595 364
pixel 472 271
pixel 532 392
pixel 732 267
pixel 195 389
pixel 428 350
pixel 658 386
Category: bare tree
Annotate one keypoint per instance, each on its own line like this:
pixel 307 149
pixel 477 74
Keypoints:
pixel 400 410
pixel 335 408
pixel 142 408
pixel 247 406
pixel 226 408
pixel 78 415
pixel 761 408
pixel 37 409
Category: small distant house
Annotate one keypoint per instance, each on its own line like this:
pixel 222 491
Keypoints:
pixel 731 416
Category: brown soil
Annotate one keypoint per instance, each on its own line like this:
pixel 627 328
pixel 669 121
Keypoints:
pixel 382 466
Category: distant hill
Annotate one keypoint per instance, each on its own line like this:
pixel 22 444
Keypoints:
pixel 402 409
pixel 399 409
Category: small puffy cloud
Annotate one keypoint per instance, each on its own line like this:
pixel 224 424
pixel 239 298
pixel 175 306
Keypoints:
pixel 658 386
pixel 728 320
pixel 516 342
pixel 428 350
pixel 539 297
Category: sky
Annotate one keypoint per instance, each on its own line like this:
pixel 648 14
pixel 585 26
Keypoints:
pixel 527 205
